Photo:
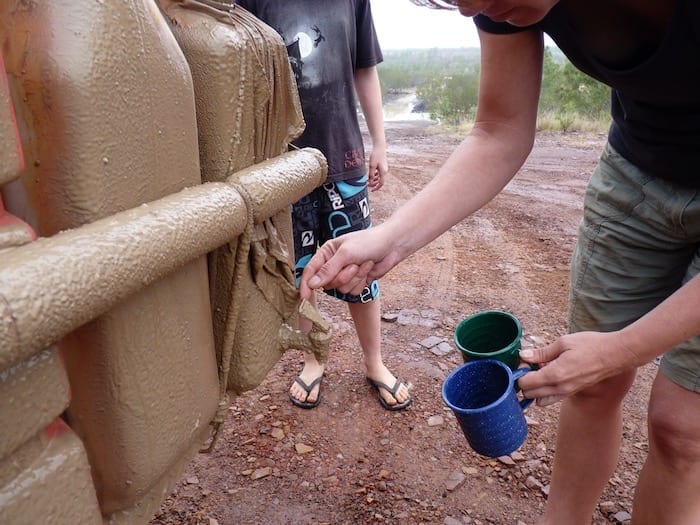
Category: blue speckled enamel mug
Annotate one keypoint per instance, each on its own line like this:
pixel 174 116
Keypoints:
pixel 482 394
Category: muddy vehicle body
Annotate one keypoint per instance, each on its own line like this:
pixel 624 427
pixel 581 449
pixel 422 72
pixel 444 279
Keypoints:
pixel 145 268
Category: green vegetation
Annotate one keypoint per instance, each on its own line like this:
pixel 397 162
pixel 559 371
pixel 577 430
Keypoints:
pixel 446 85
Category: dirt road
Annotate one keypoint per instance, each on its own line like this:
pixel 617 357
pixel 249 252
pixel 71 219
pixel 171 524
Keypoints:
pixel 349 460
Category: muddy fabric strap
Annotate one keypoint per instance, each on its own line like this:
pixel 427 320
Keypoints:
pixel 261 257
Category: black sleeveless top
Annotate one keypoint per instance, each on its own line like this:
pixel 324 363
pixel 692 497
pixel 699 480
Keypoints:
pixel 655 102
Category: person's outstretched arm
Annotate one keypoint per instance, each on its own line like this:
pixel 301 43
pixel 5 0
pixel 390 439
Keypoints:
pixel 369 93
pixel 478 169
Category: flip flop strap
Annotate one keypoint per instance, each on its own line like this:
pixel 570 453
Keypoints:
pixel 393 390
pixel 308 388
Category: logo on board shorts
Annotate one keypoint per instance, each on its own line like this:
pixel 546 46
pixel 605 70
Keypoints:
pixel 334 197
pixel 366 295
pixel 307 238
pixel 364 207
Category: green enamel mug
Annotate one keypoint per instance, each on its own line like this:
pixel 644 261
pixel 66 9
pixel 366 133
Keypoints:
pixel 490 334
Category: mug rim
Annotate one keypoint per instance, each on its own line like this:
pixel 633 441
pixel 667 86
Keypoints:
pixel 481 313
pixel 479 362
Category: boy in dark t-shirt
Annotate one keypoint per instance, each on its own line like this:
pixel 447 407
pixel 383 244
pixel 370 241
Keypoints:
pixel 333 51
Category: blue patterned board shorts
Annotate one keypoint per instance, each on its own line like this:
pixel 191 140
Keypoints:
pixel 332 210
pixel 638 242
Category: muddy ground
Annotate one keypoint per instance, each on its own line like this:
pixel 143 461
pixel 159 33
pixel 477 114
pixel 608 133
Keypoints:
pixel 349 460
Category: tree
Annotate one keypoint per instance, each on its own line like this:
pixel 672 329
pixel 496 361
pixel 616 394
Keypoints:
pixel 565 89
pixel 451 99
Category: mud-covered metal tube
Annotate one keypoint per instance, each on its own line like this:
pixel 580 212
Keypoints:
pixel 268 184
pixel 51 286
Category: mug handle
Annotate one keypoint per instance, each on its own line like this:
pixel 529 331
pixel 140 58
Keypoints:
pixel 517 374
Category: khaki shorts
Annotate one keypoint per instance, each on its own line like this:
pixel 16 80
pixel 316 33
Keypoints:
pixel 638 243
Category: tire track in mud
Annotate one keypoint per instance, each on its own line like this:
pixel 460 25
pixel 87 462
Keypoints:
pixel 491 275
pixel 437 260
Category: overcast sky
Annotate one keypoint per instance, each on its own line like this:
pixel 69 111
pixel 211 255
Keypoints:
pixel 401 24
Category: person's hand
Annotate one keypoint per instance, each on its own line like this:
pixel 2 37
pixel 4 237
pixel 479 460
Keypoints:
pixel 348 263
pixel 378 169
pixel 572 363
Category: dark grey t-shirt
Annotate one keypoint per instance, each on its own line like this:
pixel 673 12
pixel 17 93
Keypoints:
pixel 327 40
pixel 655 101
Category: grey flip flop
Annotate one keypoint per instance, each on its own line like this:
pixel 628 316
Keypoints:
pixel 308 389
pixel 398 406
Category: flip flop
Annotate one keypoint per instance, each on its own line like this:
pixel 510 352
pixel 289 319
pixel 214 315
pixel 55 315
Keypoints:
pixel 308 389
pixel 378 384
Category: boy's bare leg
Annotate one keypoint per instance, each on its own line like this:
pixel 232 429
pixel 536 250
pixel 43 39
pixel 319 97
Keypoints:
pixel 312 368
pixel 367 319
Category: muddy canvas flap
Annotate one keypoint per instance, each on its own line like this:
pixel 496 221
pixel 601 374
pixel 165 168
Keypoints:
pixel 248 110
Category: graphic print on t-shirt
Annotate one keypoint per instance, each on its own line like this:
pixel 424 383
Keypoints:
pixel 311 53
pixel 301 47
pixel 326 41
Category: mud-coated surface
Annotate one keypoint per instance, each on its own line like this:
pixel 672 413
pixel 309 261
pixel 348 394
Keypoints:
pixel 367 465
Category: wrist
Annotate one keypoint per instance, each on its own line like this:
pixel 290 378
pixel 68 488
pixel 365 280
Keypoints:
pixel 633 351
